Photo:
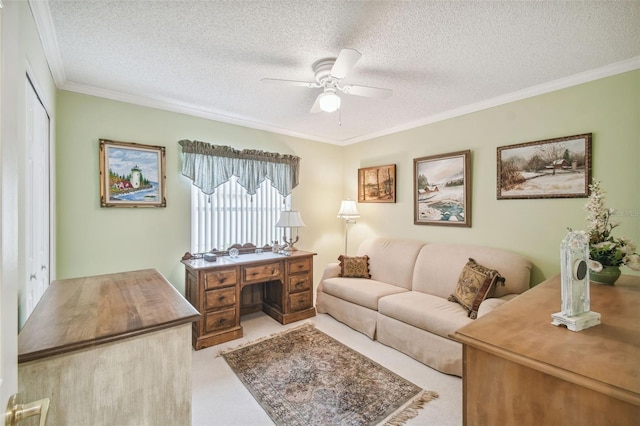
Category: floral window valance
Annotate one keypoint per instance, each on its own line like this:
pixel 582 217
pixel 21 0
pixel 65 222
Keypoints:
pixel 209 166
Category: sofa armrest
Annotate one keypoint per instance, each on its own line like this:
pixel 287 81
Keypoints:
pixel 332 270
pixel 488 305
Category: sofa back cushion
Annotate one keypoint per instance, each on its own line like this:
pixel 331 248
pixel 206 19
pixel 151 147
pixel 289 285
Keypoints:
pixel 391 260
pixel 438 267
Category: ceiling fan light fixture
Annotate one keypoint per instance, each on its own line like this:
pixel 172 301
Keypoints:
pixel 329 102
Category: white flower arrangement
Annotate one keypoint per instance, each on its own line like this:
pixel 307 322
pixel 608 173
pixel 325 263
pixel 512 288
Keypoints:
pixel 604 248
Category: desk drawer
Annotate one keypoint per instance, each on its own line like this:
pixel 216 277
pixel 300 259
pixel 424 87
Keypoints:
pixel 300 301
pixel 261 273
pixel 215 299
pixel 301 265
pixel 216 321
pixel 221 278
pixel 299 283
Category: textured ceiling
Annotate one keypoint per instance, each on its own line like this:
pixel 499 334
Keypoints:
pixel 441 59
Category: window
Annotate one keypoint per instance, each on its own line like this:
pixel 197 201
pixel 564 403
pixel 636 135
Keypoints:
pixel 231 216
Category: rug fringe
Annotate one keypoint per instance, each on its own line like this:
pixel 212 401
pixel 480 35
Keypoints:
pixel 223 352
pixel 411 410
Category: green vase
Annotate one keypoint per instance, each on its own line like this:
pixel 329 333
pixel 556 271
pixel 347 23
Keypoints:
pixel 607 276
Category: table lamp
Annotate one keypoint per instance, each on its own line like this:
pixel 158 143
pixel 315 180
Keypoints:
pixel 290 219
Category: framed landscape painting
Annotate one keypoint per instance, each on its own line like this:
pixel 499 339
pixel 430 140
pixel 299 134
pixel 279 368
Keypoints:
pixel 442 189
pixel 377 184
pixel 132 175
pixel 551 168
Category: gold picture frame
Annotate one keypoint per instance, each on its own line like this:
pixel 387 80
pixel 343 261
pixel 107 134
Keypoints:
pixel 132 174
pixel 377 184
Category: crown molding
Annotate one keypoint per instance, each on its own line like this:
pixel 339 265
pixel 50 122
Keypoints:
pixel 185 109
pixel 552 86
pixel 44 24
pixel 574 80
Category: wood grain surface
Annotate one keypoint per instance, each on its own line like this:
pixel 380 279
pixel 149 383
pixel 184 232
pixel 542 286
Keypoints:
pixel 546 374
pixel 604 356
pixel 82 312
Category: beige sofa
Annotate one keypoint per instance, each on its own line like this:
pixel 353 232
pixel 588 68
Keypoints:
pixel 404 304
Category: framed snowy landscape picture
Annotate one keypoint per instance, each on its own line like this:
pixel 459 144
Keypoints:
pixel 132 175
pixel 442 189
pixel 551 168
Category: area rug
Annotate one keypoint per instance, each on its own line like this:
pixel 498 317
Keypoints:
pixel 303 377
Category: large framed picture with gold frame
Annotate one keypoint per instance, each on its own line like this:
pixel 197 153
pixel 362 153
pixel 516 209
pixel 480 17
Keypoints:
pixel 132 174
pixel 442 189
pixel 377 184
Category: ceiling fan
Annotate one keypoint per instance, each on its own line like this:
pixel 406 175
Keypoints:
pixel 329 73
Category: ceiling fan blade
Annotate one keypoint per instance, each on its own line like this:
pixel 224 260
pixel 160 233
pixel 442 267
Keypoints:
pixel 316 105
pixel 307 84
pixel 344 63
pixel 369 92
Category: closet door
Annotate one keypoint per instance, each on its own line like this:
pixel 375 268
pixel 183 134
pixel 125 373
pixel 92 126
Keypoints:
pixel 37 214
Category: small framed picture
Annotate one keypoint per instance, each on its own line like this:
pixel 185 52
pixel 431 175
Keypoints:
pixel 551 168
pixel 442 189
pixel 377 184
pixel 132 175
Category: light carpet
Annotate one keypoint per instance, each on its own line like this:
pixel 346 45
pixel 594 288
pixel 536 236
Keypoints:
pixel 304 377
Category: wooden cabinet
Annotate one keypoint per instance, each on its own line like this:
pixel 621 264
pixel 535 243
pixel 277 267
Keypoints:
pixel 99 347
pixel 520 369
pixel 282 286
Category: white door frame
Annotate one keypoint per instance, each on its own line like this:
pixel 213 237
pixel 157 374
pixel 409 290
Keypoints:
pixel 13 78
pixel 9 196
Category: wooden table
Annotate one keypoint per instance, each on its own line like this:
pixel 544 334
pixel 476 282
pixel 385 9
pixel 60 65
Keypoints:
pixel 520 369
pixel 99 347
pixel 215 289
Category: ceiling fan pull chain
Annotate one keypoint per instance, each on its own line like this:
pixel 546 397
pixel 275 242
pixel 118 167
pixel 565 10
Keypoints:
pixel 340 117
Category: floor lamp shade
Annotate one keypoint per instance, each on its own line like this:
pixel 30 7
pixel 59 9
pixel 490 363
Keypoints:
pixel 349 212
pixel 290 219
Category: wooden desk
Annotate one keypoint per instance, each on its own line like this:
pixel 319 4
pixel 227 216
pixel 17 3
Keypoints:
pixel 215 290
pixel 520 369
pixel 99 347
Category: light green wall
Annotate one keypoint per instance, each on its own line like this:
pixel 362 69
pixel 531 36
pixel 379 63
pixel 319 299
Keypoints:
pixel 94 240
pixel 609 108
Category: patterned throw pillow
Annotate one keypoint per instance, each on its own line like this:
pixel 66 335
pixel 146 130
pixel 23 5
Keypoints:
pixel 475 284
pixel 354 266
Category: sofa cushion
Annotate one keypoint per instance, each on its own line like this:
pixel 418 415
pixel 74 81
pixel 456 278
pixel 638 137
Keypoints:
pixel 363 292
pixel 354 266
pixel 438 268
pixel 475 284
pixel 427 312
pixel 391 260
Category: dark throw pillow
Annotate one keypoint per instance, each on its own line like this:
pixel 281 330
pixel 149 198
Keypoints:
pixel 475 284
pixel 354 266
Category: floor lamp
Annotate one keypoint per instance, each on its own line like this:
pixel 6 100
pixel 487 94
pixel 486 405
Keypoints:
pixel 348 212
